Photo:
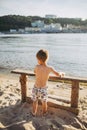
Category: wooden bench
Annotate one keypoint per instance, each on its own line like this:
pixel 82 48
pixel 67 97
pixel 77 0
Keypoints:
pixel 74 89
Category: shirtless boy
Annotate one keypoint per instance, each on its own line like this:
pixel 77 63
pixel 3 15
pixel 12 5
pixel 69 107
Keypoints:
pixel 42 71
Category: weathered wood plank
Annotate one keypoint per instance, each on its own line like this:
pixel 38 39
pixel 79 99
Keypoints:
pixel 51 76
pixel 58 98
pixel 53 103
pixel 74 94
pixel 26 72
pixel 23 80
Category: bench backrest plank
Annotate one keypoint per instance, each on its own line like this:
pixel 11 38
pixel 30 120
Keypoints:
pixel 51 76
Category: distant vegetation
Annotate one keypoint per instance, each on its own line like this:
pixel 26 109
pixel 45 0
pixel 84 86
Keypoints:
pixel 16 21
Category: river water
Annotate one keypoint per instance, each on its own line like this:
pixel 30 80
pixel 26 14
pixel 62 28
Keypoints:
pixel 67 52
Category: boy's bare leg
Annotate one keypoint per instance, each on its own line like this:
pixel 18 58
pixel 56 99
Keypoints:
pixel 35 106
pixel 44 107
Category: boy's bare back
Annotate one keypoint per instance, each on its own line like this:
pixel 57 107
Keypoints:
pixel 42 75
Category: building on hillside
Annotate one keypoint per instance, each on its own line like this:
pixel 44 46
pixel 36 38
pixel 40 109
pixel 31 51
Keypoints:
pixel 13 31
pixel 20 30
pixel 50 16
pixel 38 23
pixel 32 30
pixel 70 28
pixel 52 28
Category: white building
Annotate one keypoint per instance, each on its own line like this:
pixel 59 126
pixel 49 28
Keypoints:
pixel 13 30
pixel 32 30
pixel 52 28
pixel 38 23
pixel 27 29
pixel 20 30
pixel 50 16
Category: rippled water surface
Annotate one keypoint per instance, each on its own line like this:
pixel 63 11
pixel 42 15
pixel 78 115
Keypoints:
pixel 67 52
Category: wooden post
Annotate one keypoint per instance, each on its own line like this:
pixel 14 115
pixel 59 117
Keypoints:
pixel 23 81
pixel 75 93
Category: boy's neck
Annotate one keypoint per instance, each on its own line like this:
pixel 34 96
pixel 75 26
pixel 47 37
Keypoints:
pixel 43 63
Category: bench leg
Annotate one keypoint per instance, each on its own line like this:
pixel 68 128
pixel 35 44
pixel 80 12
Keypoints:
pixel 23 81
pixel 75 94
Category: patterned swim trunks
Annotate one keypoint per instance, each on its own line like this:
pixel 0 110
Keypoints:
pixel 39 93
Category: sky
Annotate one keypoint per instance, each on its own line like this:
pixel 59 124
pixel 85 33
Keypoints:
pixel 60 8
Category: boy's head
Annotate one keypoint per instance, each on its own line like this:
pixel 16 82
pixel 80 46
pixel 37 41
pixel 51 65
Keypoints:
pixel 42 55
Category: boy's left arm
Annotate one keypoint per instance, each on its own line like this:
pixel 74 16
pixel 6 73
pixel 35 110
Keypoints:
pixel 62 74
pixel 59 74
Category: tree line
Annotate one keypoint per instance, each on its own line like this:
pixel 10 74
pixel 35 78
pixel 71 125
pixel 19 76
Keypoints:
pixel 16 21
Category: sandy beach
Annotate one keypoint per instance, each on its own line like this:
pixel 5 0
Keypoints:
pixel 15 115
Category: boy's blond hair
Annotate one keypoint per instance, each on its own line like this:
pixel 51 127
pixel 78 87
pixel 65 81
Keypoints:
pixel 42 55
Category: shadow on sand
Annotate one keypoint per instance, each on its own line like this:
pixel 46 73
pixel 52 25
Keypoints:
pixel 19 117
